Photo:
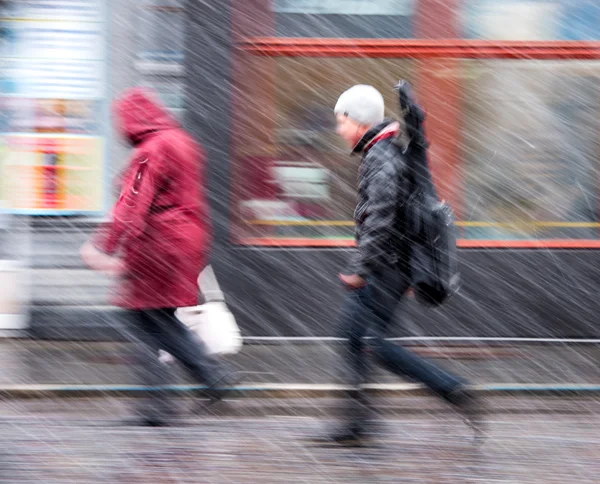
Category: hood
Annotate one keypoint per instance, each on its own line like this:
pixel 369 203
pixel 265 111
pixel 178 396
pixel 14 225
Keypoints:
pixel 139 112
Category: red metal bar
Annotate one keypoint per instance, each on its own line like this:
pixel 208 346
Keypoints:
pixel 442 48
pixel 531 244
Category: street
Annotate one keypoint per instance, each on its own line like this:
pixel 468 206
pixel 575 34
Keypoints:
pixel 81 441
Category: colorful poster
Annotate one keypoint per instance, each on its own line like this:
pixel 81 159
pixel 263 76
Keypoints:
pixel 39 115
pixel 78 10
pixel 53 173
pixel 53 103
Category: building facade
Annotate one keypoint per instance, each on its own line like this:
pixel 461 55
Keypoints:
pixel 511 93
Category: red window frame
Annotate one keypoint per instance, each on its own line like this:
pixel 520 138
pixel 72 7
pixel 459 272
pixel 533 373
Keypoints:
pixel 441 48
pixel 420 49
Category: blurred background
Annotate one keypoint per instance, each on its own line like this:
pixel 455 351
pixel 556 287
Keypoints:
pixel 512 94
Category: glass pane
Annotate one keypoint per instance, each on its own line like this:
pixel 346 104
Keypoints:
pixel 528 145
pixel 161 51
pixel 346 7
pixel 344 18
pixel 531 149
pixel 161 34
pixel 532 19
pixel 293 176
pixel 170 90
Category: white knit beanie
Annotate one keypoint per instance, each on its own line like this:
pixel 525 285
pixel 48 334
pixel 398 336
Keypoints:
pixel 363 104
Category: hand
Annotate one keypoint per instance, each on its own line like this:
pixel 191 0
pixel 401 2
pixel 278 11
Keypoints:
pixel 353 281
pixel 99 261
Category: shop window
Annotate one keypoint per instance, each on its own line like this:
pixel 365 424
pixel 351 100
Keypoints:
pixel 347 7
pixel 301 180
pixel 161 32
pixel 532 19
pixel 170 89
pixel 527 165
pixel 530 149
pixel 161 45
pixel 512 118
pixel 344 18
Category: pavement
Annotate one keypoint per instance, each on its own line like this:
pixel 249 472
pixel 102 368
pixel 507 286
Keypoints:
pixel 81 441
pixel 532 437
pixel 34 362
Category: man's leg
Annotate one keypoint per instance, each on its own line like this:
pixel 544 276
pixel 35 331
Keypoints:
pixel 403 362
pixel 354 324
pixel 356 411
pixel 387 291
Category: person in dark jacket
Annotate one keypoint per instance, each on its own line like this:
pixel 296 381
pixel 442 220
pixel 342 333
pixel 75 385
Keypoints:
pixel 378 275
pixel 157 243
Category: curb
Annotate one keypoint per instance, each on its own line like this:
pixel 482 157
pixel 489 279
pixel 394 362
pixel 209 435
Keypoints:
pixel 285 391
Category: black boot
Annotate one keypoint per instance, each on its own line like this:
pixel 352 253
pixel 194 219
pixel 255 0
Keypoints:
pixel 469 405
pixel 153 408
pixel 222 387
pixel 145 422
pixel 356 426
pixel 345 435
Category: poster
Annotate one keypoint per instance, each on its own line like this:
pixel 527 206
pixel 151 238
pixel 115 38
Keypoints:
pixel 54 108
pixel 77 10
pixel 53 173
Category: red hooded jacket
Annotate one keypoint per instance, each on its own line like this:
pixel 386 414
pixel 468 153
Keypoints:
pixel 160 224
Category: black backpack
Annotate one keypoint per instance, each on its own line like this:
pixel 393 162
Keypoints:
pixel 430 222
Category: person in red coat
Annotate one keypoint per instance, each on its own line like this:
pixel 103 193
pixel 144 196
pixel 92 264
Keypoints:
pixel 157 243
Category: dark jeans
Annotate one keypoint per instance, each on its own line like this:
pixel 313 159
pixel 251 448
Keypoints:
pixel 369 311
pixel 159 329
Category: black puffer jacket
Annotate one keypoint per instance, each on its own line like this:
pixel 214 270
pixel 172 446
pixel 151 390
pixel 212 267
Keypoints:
pixel 383 189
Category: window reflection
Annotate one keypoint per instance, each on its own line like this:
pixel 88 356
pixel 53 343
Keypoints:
pixel 530 161
pixel 161 44
pixel 300 181
pixel 528 145
pixel 532 20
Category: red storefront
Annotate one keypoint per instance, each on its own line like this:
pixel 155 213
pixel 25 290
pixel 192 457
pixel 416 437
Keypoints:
pixel 511 92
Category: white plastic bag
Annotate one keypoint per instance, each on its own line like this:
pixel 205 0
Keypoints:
pixel 215 326
pixel 212 321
